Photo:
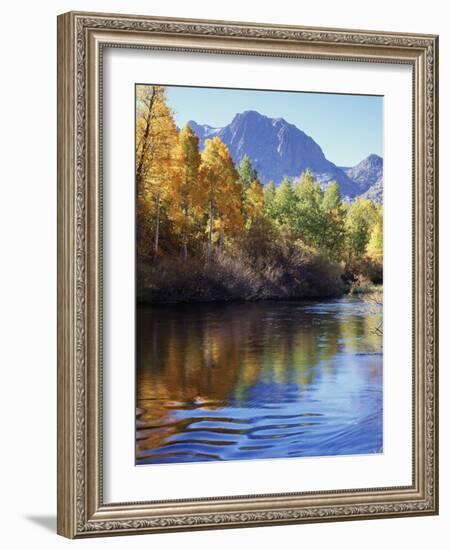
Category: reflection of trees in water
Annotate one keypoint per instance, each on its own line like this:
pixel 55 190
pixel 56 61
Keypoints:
pixel 208 353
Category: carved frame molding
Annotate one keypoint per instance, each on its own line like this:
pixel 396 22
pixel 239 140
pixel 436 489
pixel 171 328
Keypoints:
pixel 81 39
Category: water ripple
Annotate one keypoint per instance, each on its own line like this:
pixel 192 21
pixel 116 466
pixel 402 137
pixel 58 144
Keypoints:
pixel 263 380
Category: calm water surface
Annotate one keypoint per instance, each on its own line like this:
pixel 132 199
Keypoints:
pixel 258 380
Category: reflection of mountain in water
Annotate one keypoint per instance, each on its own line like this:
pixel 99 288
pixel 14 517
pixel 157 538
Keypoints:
pixel 253 380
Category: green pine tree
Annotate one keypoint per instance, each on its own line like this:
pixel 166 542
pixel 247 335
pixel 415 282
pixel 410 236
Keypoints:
pixel 247 173
pixel 285 204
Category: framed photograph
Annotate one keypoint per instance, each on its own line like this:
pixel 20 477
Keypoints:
pixel 247 283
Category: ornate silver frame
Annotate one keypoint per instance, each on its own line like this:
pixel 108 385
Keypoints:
pixel 81 38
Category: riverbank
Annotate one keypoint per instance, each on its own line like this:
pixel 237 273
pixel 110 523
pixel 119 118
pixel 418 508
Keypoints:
pixel 223 277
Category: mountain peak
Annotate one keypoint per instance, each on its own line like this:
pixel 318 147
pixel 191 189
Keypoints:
pixel 278 149
pixel 374 158
pixel 257 116
pixel 373 161
pixel 368 175
pixel 280 120
pixel 251 113
pixel 203 131
pixel 249 116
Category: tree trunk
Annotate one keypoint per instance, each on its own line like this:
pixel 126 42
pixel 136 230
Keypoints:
pixel 210 223
pixel 185 236
pixel 220 235
pixel 158 207
pixel 140 161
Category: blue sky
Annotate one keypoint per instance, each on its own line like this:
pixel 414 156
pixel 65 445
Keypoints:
pixel 347 127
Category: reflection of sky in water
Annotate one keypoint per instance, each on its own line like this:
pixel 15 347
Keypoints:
pixel 258 380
